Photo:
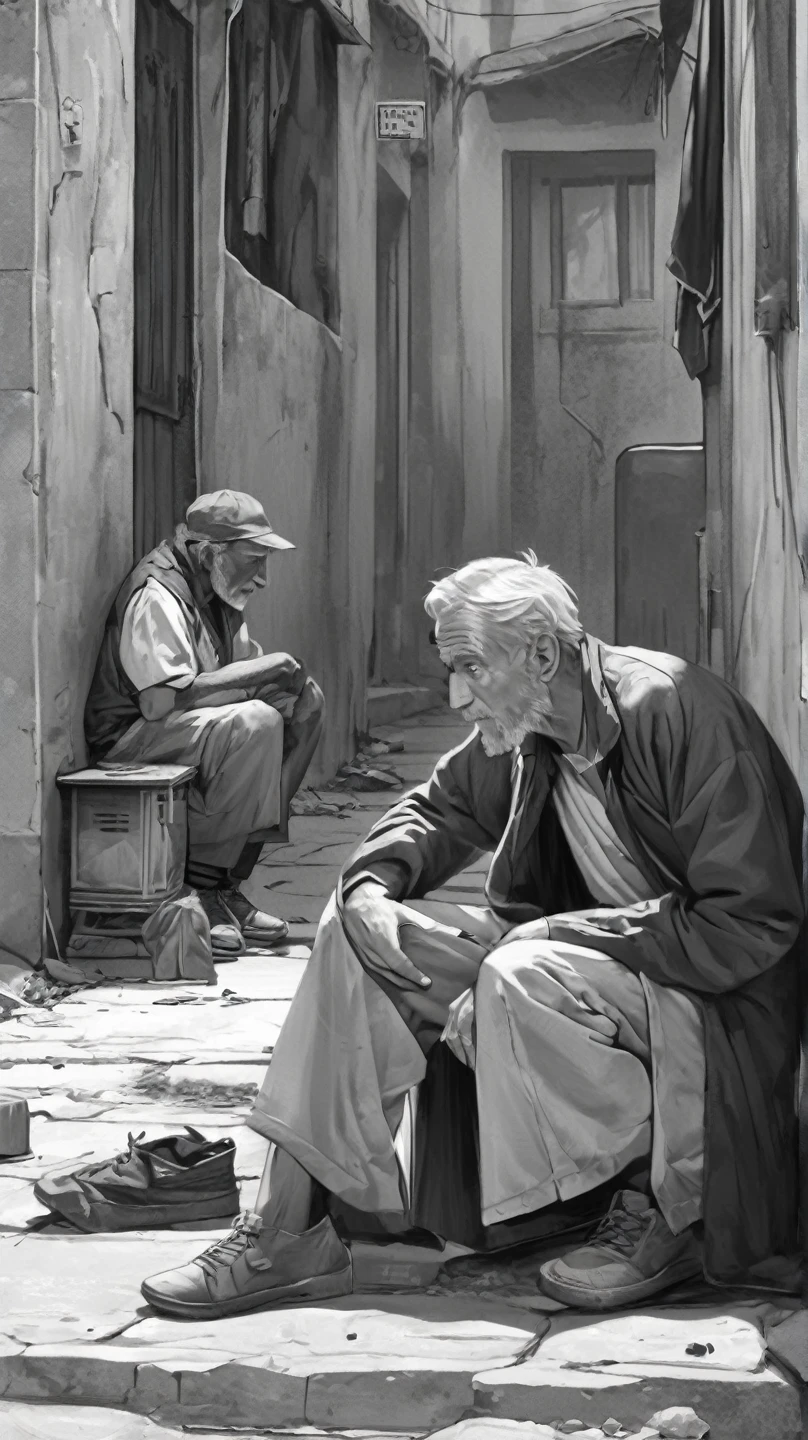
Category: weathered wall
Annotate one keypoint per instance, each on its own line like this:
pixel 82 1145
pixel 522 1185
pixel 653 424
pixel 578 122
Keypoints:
pixel 65 412
pixel 19 764
pixel 287 407
pixel 84 373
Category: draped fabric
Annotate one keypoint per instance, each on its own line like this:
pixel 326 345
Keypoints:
pixel 165 478
pixel 695 259
pixel 774 268
pixel 765 649
pixel 281 185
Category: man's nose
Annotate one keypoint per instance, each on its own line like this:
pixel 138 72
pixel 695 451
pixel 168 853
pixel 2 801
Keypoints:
pixel 459 694
pixel 260 578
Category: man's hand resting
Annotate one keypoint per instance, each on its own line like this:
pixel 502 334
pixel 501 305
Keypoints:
pixel 371 921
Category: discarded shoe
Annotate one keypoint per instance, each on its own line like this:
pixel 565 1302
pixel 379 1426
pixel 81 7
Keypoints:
pixel 632 1255
pixel 255 1266
pixel 163 1182
pixel 255 925
pixel 226 939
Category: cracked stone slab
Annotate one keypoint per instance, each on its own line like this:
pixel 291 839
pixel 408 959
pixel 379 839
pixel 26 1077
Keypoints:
pixel 718 1339
pixel 357 1362
pixel 737 1405
pixel 23 1421
pixel 68 1287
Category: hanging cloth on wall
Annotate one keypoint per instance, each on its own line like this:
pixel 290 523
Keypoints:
pixel 774 268
pixel 695 260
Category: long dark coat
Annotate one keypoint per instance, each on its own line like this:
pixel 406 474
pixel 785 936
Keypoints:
pixel 707 806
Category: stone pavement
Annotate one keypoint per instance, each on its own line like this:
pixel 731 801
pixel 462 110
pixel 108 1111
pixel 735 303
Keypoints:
pixel 413 1351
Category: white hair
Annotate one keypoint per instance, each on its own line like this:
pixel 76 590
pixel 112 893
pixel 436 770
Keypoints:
pixel 183 537
pixel 516 599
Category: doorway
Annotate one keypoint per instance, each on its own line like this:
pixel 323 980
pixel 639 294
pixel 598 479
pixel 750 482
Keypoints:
pixel 387 651
pixel 164 436
pixel 593 373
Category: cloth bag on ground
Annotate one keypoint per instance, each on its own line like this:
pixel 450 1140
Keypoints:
pixel 177 937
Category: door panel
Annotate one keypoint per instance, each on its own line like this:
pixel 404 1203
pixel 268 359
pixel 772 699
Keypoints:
pixel 165 470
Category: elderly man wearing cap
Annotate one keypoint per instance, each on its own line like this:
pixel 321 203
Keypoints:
pixel 179 680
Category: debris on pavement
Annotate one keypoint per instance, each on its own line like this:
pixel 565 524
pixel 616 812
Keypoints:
pixel 41 990
pixel 309 802
pixel 364 777
pixel 679 1423
pixel 372 745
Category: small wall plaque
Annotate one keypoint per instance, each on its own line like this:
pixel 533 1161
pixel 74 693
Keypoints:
pixel 400 120
pixel 71 123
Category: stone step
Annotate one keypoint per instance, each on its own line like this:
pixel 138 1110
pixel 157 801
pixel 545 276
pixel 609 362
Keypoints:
pixel 74 1329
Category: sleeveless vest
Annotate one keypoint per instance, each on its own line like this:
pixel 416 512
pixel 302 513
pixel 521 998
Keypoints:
pixel 112 704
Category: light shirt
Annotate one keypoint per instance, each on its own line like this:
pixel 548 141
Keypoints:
pixel 611 875
pixel 159 646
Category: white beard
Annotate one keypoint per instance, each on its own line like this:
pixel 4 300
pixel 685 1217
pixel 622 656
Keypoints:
pixel 236 598
pixel 500 737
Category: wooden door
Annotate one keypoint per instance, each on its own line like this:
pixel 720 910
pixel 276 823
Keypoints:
pixel 392 406
pixel 164 451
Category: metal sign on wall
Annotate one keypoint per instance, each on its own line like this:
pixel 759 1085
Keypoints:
pixel 400 120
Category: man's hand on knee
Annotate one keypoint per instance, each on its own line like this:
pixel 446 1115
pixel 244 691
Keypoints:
pixel 372 923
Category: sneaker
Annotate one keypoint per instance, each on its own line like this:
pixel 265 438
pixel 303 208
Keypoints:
pixel 162 1182
pixel 632 1254
pixel 227 941
pixel 254 1266
pixel 254 924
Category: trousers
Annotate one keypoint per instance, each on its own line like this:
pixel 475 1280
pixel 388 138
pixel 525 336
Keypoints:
pixel 238 752
pixel 559 1112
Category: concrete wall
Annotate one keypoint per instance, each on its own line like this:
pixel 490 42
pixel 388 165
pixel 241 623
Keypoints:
pixel 84 374
pixel 19 764
pixel 65 413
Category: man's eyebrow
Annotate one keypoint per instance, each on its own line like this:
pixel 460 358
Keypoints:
pixel 460 656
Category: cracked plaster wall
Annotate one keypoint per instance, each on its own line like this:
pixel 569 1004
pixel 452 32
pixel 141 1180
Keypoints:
pixel 84 374
pixel 19 769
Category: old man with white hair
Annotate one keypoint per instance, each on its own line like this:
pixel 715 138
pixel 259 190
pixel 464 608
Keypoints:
pixel 179 680
pixel 625 1002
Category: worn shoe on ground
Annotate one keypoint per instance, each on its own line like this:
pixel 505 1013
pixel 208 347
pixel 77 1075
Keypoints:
pixel 632 1255
pixel 227 941
pixel 255 925
pixel 162 1182
pixel 254 1267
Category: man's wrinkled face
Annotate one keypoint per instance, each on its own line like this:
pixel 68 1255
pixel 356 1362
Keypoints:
pixel 498 691
pixel 239 568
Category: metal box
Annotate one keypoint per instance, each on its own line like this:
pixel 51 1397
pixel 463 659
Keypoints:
pixel 128 836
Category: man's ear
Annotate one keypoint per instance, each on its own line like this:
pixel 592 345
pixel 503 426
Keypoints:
pixel 544 656
pixel 205 555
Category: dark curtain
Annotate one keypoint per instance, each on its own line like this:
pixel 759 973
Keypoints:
pixel 696 249
pixel 281 185
pixel 164 459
